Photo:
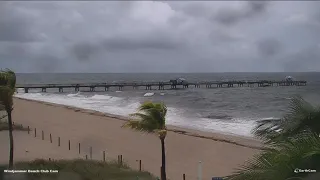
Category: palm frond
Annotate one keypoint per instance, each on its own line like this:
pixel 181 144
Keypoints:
pixel 279 163
pixel 3 116
pixel 301 117
pixel 7 78
pixel 6 97
pixel 149 118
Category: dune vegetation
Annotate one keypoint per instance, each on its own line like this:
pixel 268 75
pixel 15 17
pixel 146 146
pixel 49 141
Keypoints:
pixel 75 170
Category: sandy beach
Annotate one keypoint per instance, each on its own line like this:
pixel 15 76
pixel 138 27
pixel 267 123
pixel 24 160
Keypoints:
pixel 219 154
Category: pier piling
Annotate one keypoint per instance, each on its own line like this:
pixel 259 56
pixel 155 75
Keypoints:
pixel 162 85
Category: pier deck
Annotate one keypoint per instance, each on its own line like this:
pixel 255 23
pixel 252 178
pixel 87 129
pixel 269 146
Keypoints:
pixel 161 85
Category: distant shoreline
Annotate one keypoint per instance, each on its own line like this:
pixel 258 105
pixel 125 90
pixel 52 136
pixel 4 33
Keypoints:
pixel 232 139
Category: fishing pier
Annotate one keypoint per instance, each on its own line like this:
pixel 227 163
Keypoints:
pixel 159 85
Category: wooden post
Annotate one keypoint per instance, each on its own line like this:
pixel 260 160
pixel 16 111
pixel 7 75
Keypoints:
pixel 121 159
pixel 118 159
pixel 199 171
pixel 28 130
pixel 184 177
pixel 104 156
pixel 35 132
pixel 79 148
pixel 58 141
pixel 90 152
pixel 50 138
pixel 139 165
pixel 42 135
pixel 69 145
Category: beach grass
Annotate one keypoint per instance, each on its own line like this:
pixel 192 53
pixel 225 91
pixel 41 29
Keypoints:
pixel 4 125
pixel 77 169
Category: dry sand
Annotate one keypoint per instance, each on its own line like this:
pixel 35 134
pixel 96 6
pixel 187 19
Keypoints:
pixel 219 154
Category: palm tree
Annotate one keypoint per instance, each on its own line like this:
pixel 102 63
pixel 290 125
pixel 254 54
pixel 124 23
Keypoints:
pixel 293 142
pixel 7 88
pixel 281 161
pixel 302 117
pixel 151 118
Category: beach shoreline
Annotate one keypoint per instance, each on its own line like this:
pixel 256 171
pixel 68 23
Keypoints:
pixel 99 132
pixel 215 136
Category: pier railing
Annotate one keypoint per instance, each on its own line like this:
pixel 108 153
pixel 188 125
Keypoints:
pixel 162 84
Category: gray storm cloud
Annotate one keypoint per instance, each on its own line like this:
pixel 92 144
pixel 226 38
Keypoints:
pixel 269 47
pixel 155 36
pixel 230 16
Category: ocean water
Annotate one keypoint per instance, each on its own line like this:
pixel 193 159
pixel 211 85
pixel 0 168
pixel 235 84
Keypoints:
pixel 226 110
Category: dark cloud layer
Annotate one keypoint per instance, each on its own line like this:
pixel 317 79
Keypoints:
pixel 269 47
pixel 228 16
pixel 170 36
pixel 84 50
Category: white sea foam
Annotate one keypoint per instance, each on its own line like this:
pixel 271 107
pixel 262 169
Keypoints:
pixel 103 103
pixel 101 97
pixel 74 95
pixel 148 94
pixel 235 126
pixel 124 107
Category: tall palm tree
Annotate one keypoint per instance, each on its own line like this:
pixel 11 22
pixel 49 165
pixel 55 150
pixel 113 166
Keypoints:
pixel 151 118
pixel 7 88
pixel 293 142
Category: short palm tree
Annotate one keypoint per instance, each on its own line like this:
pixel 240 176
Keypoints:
pixel 7 88
pixel 151 118
pixel 293 142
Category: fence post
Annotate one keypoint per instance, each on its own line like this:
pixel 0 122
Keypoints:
pixel 79 148
pixel 199 171
pixel 42 133
pixel 69 145
pixel 90 152
pixel 104 156
pixel 184 176
pixel 58 141
pixel 50 138
pixel 35 132
pixel 28 130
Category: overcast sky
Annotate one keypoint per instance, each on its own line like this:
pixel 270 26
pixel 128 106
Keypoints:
pixel 154 36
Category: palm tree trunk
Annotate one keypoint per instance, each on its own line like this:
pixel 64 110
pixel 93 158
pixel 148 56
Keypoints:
pixel 11 140
pixel 163 166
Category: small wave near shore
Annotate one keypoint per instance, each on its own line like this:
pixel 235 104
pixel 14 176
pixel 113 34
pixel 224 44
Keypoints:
pixel 124 106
